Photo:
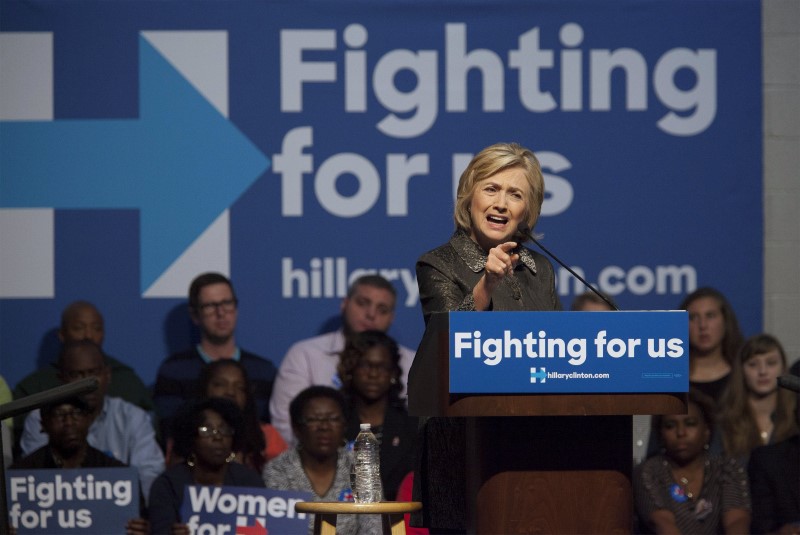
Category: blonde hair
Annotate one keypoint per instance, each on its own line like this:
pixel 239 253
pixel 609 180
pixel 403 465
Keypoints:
pixel 491 161
pixel 736 421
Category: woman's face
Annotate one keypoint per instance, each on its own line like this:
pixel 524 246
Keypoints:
pixel 684 435
pixel 761 372
pixel 498 206
pixel 228 382
pixel 706 324
pixel 322 429
pixel 213 442
pixel 372 376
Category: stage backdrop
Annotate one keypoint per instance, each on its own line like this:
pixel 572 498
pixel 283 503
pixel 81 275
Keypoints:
pixel 297 145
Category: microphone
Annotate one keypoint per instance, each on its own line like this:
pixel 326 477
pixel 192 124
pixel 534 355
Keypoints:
pixel 34 401
pixel 789 382
pixel 525 231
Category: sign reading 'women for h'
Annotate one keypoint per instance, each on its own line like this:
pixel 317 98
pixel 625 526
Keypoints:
pixel 568 352
pixel 243 511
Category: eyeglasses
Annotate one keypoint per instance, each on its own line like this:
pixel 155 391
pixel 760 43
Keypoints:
pixel 318 421
pixel 206 431
pixel 226 306
pixel 64 415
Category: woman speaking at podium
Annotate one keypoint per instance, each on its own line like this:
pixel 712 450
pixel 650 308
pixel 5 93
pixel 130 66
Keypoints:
pixel 482 267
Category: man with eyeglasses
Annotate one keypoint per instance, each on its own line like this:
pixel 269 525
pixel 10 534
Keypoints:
pixel 66 423
pixel 369 305
pixel 213 307
pixel 118 428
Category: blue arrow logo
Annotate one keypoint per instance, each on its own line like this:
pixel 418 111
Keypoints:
pixel 180 163
pixel 538 375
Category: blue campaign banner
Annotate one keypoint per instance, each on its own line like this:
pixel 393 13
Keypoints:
pixel 568 352
pixel 243 511
pixel 79 500
pixel 298 145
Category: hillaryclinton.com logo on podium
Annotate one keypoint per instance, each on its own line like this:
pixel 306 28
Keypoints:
pixel 540 375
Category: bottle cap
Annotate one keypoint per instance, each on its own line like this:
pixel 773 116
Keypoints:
pixel 365 427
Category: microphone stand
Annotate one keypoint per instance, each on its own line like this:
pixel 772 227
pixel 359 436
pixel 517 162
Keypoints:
pixel 28 403
pixel 789 382
pixel 524 230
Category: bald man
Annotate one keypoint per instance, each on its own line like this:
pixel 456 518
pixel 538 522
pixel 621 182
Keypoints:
pixel 81 320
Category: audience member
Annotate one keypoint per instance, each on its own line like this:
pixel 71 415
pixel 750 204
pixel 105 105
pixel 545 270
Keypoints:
pixel 714 340
pixel 753 410
pixel 319 464
pixel 118 428
pixel 213 307
pixel 774 472
pixel 687 489
pixel 370 372
pixel 66 423
pixel 81 320
pixel 206 434
pixel 369 305
pixel 591 302
pixel 260 442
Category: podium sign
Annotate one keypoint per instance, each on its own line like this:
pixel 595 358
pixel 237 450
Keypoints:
pixel 568 352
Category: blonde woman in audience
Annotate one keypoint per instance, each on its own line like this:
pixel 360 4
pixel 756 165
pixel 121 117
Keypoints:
pixel 753 410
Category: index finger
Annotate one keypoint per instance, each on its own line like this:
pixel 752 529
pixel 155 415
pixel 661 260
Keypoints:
pixel 508 246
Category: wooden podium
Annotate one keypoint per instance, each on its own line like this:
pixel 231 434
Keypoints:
pixel 537 463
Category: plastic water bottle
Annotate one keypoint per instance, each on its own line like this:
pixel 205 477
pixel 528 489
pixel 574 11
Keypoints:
pixel 367 487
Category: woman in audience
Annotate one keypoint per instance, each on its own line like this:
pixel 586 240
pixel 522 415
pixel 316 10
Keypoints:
pixel 228 379
pixel 714 340
pixel 370 372
pixel 774 472
pixel 206 435
pixel 319 464
pixel 753 410
pixel 687 489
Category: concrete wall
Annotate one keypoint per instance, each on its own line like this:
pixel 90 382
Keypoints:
pixel 781 38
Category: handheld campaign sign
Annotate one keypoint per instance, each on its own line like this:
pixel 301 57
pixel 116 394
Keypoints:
pixel 81 500
pixel 568 352
pixel 243 511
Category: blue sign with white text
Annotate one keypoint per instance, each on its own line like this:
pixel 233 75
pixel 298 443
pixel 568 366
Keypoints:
pixel 295 146
pixel 568 352
pixel 80 500
pixel 243 511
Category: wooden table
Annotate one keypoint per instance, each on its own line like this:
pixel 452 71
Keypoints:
pixel 326 512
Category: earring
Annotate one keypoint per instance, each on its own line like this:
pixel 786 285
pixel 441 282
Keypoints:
pixel 191 460
pixel 393 381
pixel 705 446
pixel 230 457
